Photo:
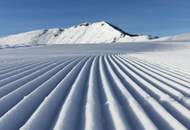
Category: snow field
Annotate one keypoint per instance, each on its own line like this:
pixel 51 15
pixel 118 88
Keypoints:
pixel 115 92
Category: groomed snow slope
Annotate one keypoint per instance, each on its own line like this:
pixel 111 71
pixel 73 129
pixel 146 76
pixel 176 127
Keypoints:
pixel 100 32
pixel 106 87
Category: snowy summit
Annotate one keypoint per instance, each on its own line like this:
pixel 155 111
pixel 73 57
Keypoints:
pixel 99 32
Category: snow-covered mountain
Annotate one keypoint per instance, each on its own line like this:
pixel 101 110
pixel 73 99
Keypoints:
pixel 100 32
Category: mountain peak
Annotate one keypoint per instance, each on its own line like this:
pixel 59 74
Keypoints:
pixel 100 23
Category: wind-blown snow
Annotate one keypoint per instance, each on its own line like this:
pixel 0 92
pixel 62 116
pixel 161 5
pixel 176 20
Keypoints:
pixel 177 38
pixel 95 87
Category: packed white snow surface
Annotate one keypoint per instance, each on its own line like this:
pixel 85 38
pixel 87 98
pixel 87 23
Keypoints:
pixel 175 57
pixel 99 32
pixel 133 86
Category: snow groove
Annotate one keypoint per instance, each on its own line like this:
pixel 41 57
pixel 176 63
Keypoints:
pixel 115 92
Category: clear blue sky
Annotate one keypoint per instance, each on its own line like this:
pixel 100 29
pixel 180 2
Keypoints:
pixel 156 17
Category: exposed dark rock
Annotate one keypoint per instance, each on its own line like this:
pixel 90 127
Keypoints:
pixel 58 32
pixel 44 32
pixel 84 24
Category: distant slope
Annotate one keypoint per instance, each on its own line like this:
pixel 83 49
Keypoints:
pixel 178 38
pixel 100 32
